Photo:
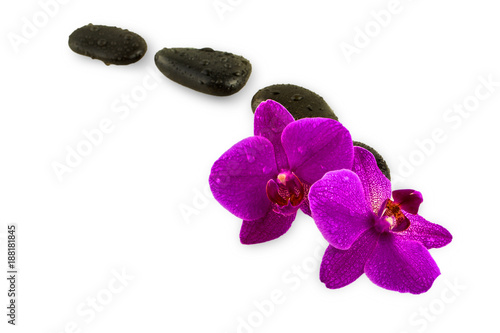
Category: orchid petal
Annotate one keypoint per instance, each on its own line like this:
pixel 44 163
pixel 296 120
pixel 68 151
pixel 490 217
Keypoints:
pixel 401 265
pixel 339 208
pixel 238 178
pixel 269 121
pixel 377 188
pixel 315 146
pixel 431 235
pixel 267 228
pixel 342 267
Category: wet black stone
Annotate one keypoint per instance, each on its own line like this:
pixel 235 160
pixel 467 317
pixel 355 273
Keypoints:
pixel 381 163
pixel 299 101
pixel 204 70
pixel 111 45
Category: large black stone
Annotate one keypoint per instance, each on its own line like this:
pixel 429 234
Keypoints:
pixel 111 45
pixel 381 163
pixel 204 70
pixel 299 101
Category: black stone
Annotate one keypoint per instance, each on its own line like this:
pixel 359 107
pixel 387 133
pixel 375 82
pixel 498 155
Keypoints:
pixel 300 102
pixel 381 163
pixel 205 70
pixel 111 45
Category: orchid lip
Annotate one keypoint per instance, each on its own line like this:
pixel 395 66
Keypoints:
pixel 391 218
pixel 286 189
pixel 272 191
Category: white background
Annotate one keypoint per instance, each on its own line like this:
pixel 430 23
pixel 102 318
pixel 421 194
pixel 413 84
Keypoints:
pixel 120 209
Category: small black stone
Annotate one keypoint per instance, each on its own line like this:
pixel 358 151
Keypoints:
pixel 205 70
pixel 381 163
pixel 111 45
pixel 299 101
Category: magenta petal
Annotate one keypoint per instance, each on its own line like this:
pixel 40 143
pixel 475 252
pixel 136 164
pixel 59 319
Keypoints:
pixel 267 228
pixel 376 186
pixel 409 200
pixel 431 235
pixel 315 146
pixel 239 177
pixel 339 208
pixel 401 265
pixel 270 119
pixel 342 267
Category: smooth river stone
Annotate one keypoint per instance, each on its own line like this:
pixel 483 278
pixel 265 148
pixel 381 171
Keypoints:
pixel 205 70
pixel 111 45
pixel 299 101
pixel 381 163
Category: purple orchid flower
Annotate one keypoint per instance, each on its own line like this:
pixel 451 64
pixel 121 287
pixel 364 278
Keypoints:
pixel 371 233
pixel 265 179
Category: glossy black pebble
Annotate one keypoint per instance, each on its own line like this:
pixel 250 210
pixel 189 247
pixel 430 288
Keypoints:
pixel 381 163
pixel 300 102
pixel 204 70
pixel 111 45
